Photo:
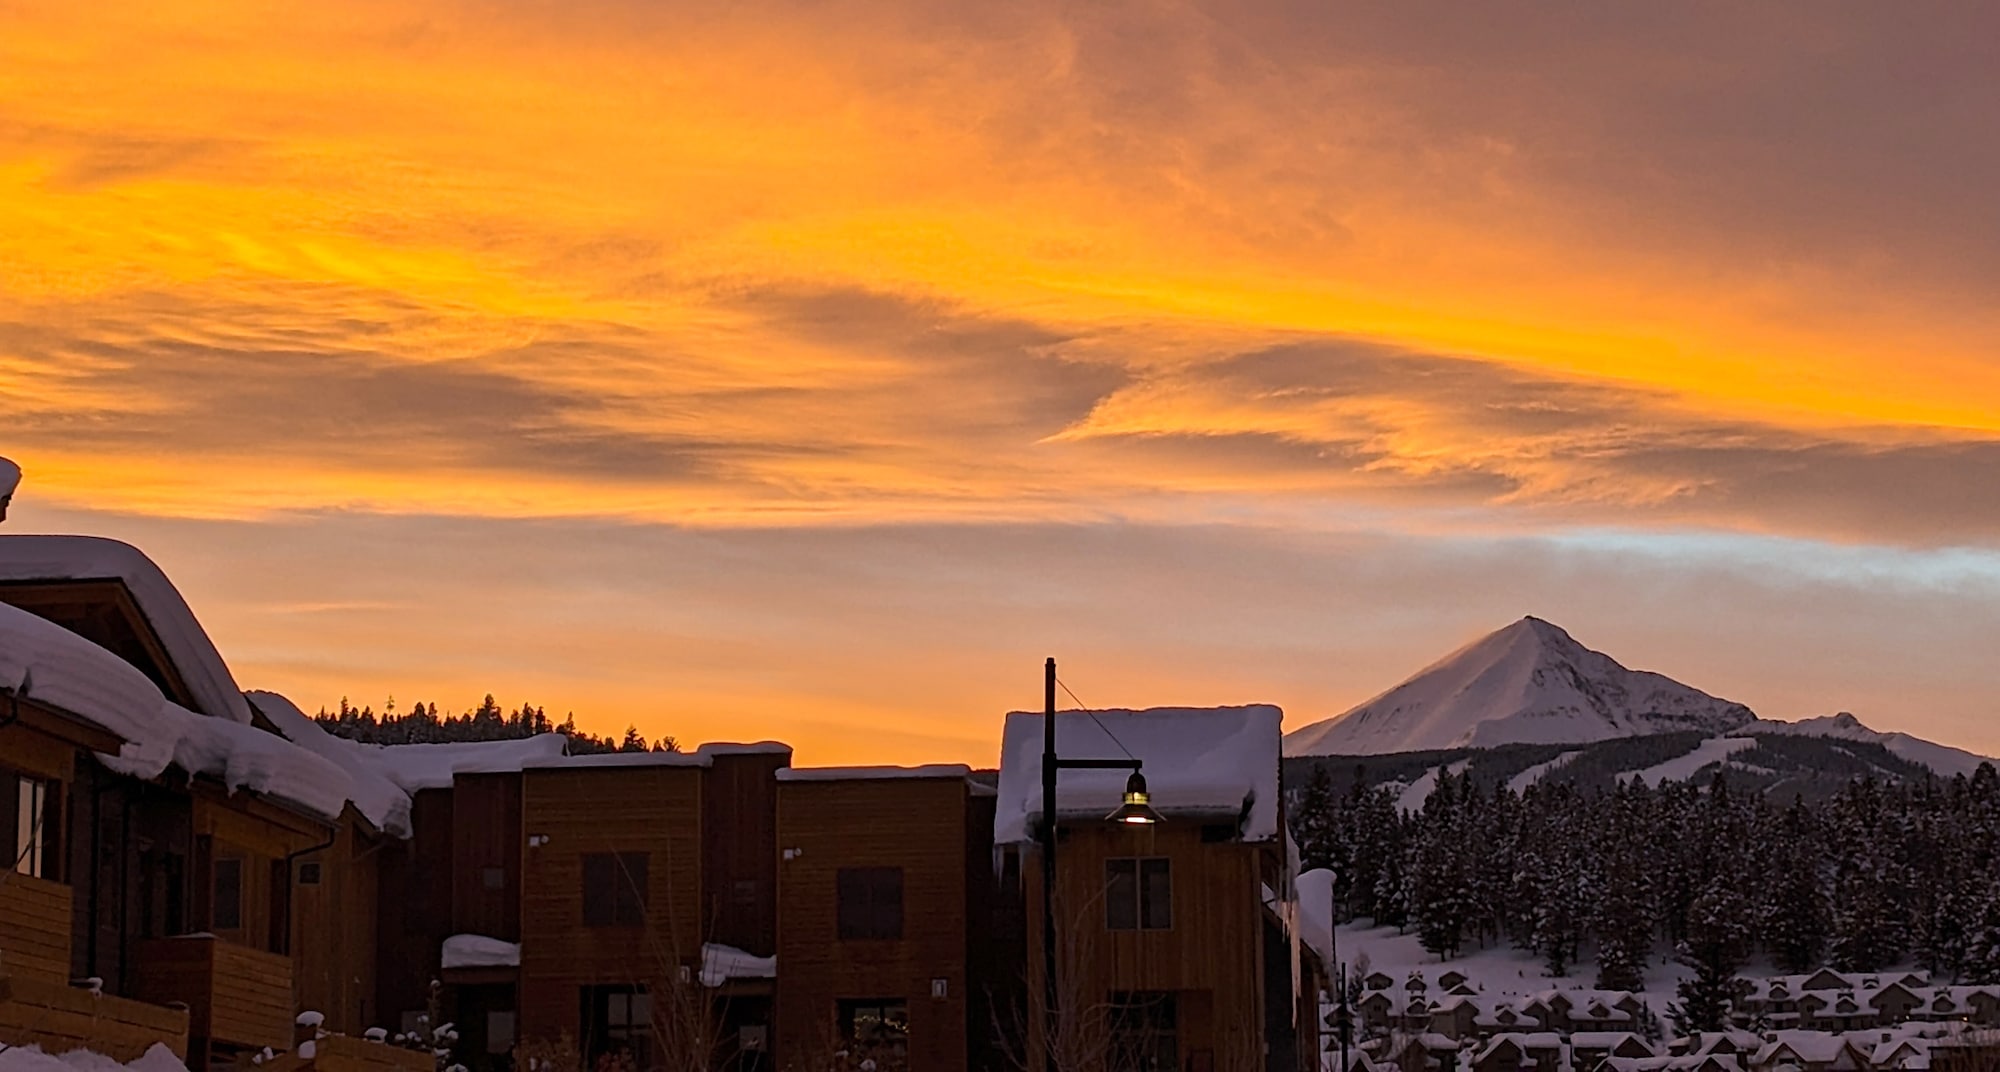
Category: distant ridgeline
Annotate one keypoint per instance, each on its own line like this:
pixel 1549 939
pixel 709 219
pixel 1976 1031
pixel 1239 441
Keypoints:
pixel 1781 764
pixel 1815 850
pixel 422 724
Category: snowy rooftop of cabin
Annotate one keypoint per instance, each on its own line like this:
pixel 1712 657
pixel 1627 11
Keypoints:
pixel 44 662
pixel 93 558
pixel 864 774
pixel 1200 762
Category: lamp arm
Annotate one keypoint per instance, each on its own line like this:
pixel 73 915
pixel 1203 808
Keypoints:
pixel 1098 764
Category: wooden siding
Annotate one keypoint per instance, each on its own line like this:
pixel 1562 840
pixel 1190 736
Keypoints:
pixel 43 743
pixel 1211 957
pixel 34 927
pixel 918 825
pixel 59 1018
pixel 739 858
pixel 335 1053
pixel 582 810
pixel 334 928
pixel 486 835
pixel 414 907
pixel 235 995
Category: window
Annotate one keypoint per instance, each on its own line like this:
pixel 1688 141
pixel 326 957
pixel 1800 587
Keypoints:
pixel 620 1026
pixel 878 1029
pixel 871 902
pixel 493 878
pixel 31 826
pixel 614 889
pixel 1138 894
pixel 500 1031
pixel 309 873
pixel 1144 1032
pixel 227 911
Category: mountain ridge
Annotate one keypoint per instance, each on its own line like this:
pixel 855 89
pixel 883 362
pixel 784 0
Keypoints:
pixel 1529 682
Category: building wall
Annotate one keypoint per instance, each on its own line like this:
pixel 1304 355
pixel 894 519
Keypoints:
pixel 486 844
pixel 739 864
pixel 334 927
pixel 658 811
pixel 1211 957
pixel 918 825
pixel 413 908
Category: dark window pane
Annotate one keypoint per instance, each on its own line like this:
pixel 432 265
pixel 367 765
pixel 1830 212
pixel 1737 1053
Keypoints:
pixel 614 889
pixel 227 914
pixel 870 903
pixel 1156 895
pixel 1121 894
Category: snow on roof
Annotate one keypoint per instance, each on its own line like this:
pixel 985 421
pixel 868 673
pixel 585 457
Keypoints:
pixel 479 951
pixel 245 757
pixel 42 661
pixel 1217 761
pixel 1812 1047
pixel 416 767
pixel 1315 891
pixel 46 663
pixel 755 748
pixel 863 774
pixel 1599 1040
pixel 89 558
pixel 620 759
pixel 721 963
pixel 377 797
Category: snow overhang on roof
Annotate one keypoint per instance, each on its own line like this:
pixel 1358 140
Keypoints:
pixel 44 662
pixel 1214 763
pixel 92 558
pixel 755 748
pixel 621 759
pixel 864 774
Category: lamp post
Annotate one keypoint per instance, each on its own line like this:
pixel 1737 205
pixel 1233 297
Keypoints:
pixel 1137 809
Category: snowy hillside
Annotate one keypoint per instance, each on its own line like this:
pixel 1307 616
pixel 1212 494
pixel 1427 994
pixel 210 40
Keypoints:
pixel 1529 683
pixel 1943 759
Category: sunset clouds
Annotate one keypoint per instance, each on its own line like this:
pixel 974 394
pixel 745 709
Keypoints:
pixel 1414 274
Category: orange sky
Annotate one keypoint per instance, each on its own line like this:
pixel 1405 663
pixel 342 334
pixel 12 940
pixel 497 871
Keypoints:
pixel 812 370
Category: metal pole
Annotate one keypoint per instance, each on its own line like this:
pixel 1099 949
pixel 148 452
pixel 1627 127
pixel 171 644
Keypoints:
pixel 1049 991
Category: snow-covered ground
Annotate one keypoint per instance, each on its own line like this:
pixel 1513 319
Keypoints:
pixel 32 1059
pixel 1681 768
pixel 1520 782
pixel 1413 795
pixel 1501 971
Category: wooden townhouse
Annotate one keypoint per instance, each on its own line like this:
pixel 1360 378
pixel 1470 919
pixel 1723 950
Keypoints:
pixel 155 827
pixel 885 919
pixel 1175 950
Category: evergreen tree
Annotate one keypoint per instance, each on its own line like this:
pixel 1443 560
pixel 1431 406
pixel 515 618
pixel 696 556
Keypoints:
pixel 1717 943
pixel 1623 920
pixel 1798 916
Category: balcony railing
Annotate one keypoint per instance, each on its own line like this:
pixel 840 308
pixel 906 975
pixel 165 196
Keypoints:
pixel 34 927
pixel 236 995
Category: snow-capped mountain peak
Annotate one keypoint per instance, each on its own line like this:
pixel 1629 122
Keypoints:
pixel 1529 682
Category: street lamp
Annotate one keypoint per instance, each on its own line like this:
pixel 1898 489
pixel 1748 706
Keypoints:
pixel 1137 810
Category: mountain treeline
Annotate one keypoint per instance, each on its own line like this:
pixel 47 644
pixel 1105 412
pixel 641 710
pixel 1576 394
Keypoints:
pixel 422 724
pixel 1879 873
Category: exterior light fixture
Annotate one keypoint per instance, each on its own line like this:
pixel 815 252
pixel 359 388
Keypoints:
pixel 1138 806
